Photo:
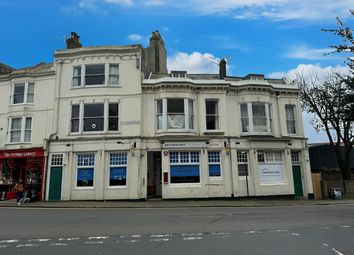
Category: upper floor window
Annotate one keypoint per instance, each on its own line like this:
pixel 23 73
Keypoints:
pixel 20 129
pixel 95 75
pixel 77 76
pixel 94 117
pixel 256 117
pixel 212 114
pixel 23 93
pixel 175 113
pixel 290 119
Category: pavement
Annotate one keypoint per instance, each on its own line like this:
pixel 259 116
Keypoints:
pixel 159 203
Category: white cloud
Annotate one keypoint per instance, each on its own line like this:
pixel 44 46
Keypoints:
pixel 135 37
pixel 192 63
pixel 304 52
pixel 120 2
pixel 310 71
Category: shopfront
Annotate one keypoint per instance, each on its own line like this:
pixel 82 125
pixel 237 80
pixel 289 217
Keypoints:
pixel 27 165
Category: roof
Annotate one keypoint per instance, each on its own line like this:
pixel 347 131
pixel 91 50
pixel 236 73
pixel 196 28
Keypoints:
pixel 38 69
pixel 4 69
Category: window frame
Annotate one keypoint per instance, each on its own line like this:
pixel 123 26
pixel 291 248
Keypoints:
pixel 162 118
pixel 87 167
pixel 180 163
pixel 22 129
pixel 77 77
pixel 26 92
pixel 216 116
pixel 214 163
pixel 242 161
pixel 110 75
pixel 122 165
pixel 250 118
pixel 290 121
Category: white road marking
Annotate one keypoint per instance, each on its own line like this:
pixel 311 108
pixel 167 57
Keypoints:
pixel 345 226
pixel 219 234
pixel 27 245
pixel 9 241
pixel 295 234
pixel 69 239
pixel 164 235
pixel 94 242
pixel 4 246
pixel 324 227
pixel 135 236
pixel 192 238
pixel 192 234
pixel 98 237
pixel 58 244
pixel 132 241
pixel 337 252
pixel 160 240
pixel 324 244
pixel 38 240
pixel 252 232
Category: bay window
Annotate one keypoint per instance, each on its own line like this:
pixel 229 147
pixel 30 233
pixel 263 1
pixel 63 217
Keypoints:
pixel 212 114
pixel 77 76
pixel 174 113
pixel 93 117
pixel 95 75
pixel 255 117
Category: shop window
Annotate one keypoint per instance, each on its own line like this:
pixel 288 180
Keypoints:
pixel 271 166
pixel 23 93
pixel 184 167
pixel 113 74
pixel 76 76
pixel 94 74
pixel 242 163
pixel 214 163
pixel 118 169
pixel 85 170
pixel 93 117
pixel 175 113
pixel 255 117
pixel 57 159
pixel 290 119
pixel 20 130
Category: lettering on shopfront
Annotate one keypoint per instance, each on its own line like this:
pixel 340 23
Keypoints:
pixel 184 145
pixel 130 122
pixel 21 154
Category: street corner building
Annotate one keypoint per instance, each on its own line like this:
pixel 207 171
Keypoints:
pixel 111 123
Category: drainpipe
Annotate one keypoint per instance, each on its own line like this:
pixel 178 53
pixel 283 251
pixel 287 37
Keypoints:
pixel 231 169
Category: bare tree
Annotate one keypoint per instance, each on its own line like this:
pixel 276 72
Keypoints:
pixel 332 102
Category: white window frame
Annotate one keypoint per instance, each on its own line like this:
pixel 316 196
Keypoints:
pixel 211 162
pixel 77 77
pixel 251 126
pixel 216 116
pixel 22 129
pixel 291 121
pixel 106 118
pixel 295 157
pixel 124 164
pixel 26 92
pixel 77 167
pixel 189 163
pixel 57 159
pixel 189 120
pixel 110 75
pixel 242 159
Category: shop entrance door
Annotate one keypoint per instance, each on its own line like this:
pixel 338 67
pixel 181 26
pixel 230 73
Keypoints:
pixel 154 188
pixel 297 181
pixel 55 183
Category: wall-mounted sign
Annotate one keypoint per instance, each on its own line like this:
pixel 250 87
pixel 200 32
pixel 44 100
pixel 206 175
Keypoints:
pixel 30 153
pixel 271 172
pixel 178 145
pixel 130 122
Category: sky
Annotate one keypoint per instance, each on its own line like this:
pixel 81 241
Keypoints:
pixel 277 38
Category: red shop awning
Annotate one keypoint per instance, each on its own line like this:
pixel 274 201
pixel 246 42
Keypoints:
pixel 29 153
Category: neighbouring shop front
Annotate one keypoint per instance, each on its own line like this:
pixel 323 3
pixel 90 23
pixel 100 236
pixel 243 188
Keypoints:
pixel 27 165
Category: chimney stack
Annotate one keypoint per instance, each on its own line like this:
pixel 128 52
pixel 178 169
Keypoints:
pixel 222 69
pixel 73 41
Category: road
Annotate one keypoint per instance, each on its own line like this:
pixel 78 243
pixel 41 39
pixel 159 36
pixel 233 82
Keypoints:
pixel 254 230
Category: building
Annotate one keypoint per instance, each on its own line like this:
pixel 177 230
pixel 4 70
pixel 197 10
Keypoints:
pixel 124 128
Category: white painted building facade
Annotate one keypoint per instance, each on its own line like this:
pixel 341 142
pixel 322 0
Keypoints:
pixel 113 124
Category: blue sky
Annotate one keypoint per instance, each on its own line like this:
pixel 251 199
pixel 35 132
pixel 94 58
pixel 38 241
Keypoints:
pixel 273 37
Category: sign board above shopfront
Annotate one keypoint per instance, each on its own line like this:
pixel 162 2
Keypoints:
pixel 185 145
pixel 30 153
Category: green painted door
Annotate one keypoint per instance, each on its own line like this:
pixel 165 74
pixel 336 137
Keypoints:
pixel 55 183
pixel 297 181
